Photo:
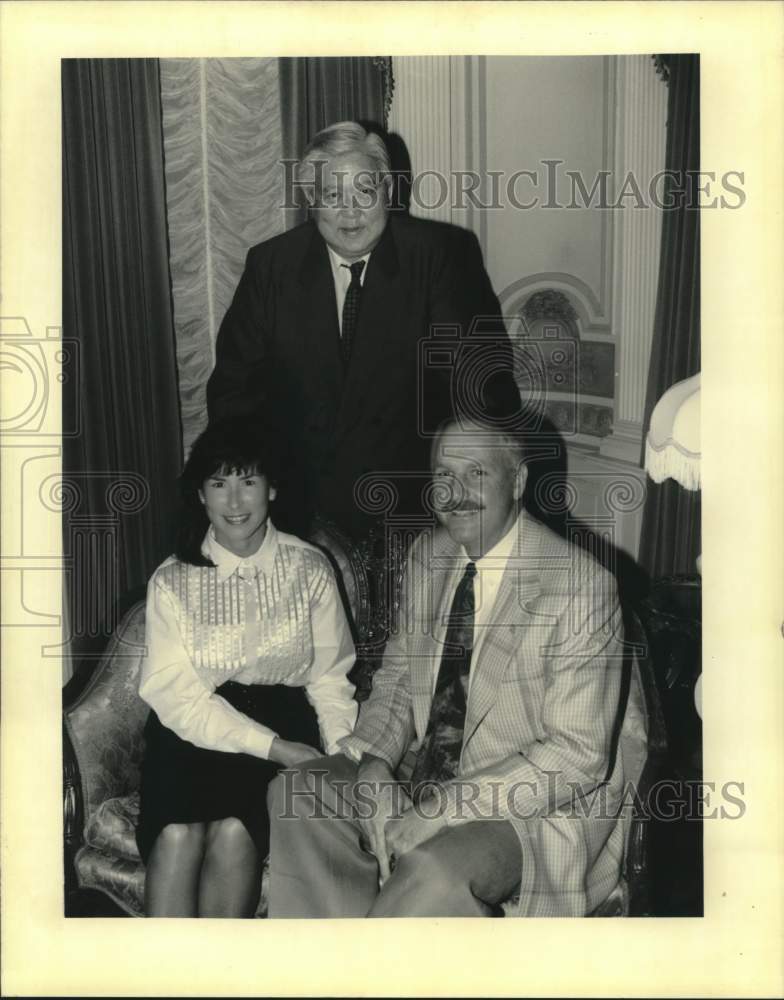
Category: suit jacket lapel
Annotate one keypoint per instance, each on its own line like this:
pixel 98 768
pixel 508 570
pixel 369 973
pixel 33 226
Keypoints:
pixel 317 316
pixel 435 574
pixel 520 586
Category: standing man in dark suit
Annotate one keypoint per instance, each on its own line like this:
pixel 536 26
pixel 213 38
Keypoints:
pixel 324 338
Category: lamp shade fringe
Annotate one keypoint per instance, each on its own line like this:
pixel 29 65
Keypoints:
pixel 670 460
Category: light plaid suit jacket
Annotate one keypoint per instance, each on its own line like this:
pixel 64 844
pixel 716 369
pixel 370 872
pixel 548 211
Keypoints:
pixel 544 696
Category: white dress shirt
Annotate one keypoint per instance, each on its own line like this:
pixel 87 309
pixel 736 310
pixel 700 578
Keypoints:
pixel 341 275
pixel 274 617
pixel 490 569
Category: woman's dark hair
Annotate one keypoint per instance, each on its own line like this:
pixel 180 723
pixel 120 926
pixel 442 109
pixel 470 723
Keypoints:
pixel 228 446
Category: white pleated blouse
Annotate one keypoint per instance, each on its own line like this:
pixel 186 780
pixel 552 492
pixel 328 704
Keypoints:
pixel 275 617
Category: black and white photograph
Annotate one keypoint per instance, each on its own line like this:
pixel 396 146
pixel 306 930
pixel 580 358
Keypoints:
pixel 373 435
pixel 251 281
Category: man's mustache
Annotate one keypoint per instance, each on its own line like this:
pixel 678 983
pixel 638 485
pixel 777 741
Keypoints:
pixel 458 506
pixel 448 499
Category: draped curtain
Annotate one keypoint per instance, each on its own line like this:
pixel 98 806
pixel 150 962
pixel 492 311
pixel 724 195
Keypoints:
pixel 222 145
pixel 120 469
pixel 670 536
pixel 227 124
pixel 315 92
pixel 171 171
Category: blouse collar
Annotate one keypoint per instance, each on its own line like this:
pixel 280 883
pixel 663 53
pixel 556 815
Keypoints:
pixel 250 566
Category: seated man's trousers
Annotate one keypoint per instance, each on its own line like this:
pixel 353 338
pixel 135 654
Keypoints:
pixel 319 868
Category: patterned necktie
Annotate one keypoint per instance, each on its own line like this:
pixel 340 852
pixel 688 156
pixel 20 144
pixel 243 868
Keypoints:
pixel 439 755
pixel 351 309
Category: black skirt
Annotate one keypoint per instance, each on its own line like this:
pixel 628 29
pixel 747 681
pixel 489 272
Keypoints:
pixel 183 783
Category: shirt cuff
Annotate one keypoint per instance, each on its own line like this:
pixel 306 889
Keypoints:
pixel 354 747
pixel 345 747
pixel 258 744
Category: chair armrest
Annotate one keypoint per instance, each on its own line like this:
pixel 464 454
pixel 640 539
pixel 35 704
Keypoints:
pixel 73 813
pixel 104 725
pixel 365 584
pixel 637 861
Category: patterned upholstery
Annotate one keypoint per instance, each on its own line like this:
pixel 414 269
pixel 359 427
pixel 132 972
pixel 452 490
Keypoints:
pixel 350 571
pixel 112 827
pixel 105 726
pixel 120 878
pixel 109 859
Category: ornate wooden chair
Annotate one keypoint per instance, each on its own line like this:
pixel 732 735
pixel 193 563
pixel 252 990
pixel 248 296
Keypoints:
pixel 632 896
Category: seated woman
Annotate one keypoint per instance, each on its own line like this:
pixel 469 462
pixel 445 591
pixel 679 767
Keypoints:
pixel 248 649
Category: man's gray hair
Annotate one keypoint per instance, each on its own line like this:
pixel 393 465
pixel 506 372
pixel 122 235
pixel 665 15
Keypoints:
pixel 339 139
pixel 484 432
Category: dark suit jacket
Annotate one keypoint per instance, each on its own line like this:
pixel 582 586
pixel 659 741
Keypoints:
pixel 278 356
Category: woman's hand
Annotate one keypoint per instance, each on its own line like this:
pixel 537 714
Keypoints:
pixel 290 754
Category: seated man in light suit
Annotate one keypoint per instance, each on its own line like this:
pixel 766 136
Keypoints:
pixel 504 675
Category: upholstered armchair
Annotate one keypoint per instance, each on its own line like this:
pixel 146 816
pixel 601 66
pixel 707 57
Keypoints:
pixel 632 896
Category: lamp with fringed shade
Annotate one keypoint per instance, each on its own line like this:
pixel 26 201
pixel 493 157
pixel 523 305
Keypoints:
pixel 672 448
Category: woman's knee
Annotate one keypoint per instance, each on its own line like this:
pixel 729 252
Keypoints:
pixel 181 838
pixel 228 836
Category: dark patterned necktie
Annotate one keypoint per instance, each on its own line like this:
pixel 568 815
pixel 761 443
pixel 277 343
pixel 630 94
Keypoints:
pixel 351 309
pixel 439 755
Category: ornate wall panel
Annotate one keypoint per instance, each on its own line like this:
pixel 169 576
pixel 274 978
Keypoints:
pixel 641 110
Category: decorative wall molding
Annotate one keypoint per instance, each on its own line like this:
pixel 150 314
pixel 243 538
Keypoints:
pixel 447 120
pixel 571 379
pixel 438 111
pixel 641 104
pixel 421 115
pixel 469 137
pixel 609 140
pixel 550 303
pixel 586 304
